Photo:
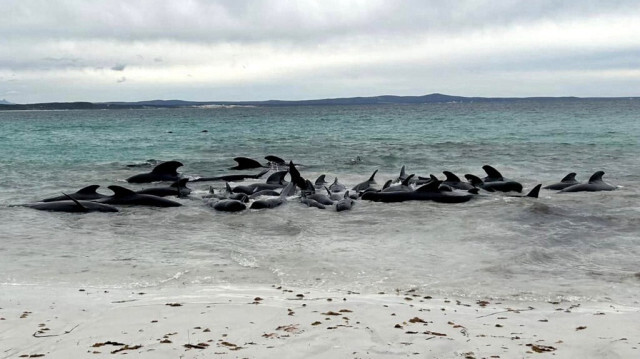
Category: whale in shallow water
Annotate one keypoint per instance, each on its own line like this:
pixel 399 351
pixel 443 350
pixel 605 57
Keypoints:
pixel 595 184
pixel 568 181
pixel 229 205
pixel 72 205
pixel 166 171
pixel 230 178
pixel 275 201
pixel 494 181
pixel 454 181
pixel 178 188
pixel 336 186
pixel 345 204
pixel 86 194
pixel 126 196
pixel 366 184
pixel 431 191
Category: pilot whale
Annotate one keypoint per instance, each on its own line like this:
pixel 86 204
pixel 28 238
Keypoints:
pixel 72 205
pixel 126 196
pixel 595 184
pixel 568 181
pixel 431 191
pixel 87 194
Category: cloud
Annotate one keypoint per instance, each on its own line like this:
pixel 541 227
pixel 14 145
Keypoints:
pixel 346 48
pixel 118 67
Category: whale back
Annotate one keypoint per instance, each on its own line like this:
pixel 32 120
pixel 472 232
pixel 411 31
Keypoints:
pixel 596 177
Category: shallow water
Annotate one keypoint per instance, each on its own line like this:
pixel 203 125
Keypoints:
pixel 582 245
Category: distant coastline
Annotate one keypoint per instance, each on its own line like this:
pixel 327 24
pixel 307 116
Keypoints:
pixel 373 100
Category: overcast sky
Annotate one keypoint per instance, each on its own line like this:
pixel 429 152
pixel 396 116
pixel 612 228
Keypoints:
pixel 129 50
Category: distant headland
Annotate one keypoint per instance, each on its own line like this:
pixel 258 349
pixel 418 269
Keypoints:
pixel 373 100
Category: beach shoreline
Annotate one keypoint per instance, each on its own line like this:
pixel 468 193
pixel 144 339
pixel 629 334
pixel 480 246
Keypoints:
pixel 262 322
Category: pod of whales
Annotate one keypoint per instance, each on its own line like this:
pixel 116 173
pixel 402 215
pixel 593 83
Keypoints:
pixel 275 191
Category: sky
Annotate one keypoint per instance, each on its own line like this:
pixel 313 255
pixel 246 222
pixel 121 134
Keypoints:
pixel 233 50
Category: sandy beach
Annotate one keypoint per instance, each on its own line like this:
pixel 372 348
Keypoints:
pixel 275 322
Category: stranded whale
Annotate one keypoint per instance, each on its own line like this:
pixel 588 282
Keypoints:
pixel 166 171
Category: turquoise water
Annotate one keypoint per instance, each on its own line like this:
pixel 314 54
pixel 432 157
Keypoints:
pixel 582 245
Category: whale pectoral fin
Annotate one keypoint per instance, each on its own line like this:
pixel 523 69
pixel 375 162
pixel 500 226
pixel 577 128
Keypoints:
pixel 451 177
pixel 596 177
pixel 89 189
pixel 534 192
pixel 569 178
pixel 169 167
pixel 85 209
pixel 121 191
pixel 261 174
pixel 492 172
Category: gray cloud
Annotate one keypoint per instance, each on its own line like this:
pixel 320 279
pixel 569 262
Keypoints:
pixel 118 67
pixel 66 50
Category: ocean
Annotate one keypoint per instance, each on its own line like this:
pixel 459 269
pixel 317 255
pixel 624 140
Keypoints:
pixel 574 246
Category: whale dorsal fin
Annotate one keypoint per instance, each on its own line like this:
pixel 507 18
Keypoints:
pixel 596 177
pixel 310 188
pixel 88 190
pixel 429 187
pixel 474 180
pixel 346 195
pixel 535 191
pixel 169 167
pixel 181 183
pixel 320 180
pixel 403 174
pixel 434 178
pixel 244 162
pixel 407 180
pixel 371 179
pixel 227 186
pixel 76 202
pixel 277 177
pixel 569 178
pixel 289 190
pixel 451 177
pixel 121 191
pixel 492 172
pixel 275 159
pixel 335 181
pixel 387 184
